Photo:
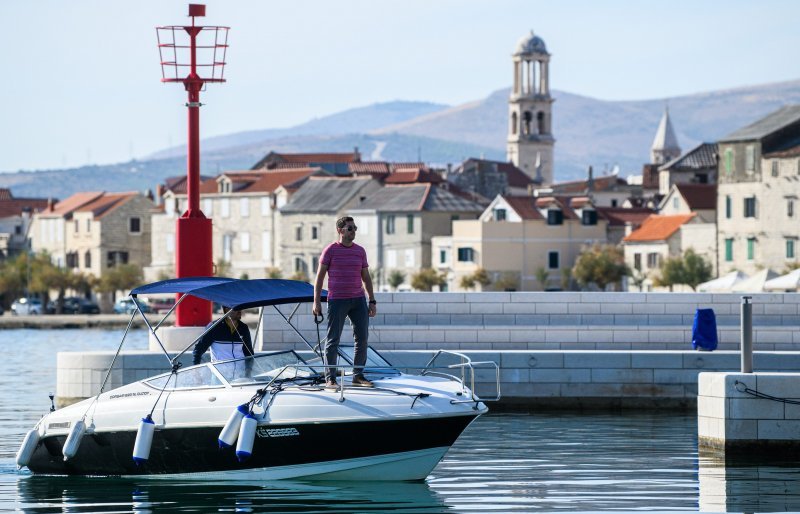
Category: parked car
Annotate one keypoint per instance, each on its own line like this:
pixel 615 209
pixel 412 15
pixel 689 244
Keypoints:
pixel 160 305
pixel 26 307
pixel 74 305
pixel 126 306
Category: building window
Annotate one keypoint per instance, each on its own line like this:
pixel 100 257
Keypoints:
pixel 410 223
pixel 391 258
pixel 88 225
pixel 76 226
pixel 790 208
pixel 442 256
pixel 208 206
pixel 87 259
pixel 728 161
pixel 751 248
pixel 589 217
pixel 264 206
pixel 72 260
pixel 750 158
pixel 314 233
pixel 410 258
pixel 614 203
pixel 466 255
pixel 244 241
pixel 116 258
pixel 225 207
pixel 774 167
pixel 750 207
pixel 300 265
pixel 637 261
pixel 244 207
pixel 728 207
pixel 790 248
pixel 314 264
pixel 135 225
pixel 652 260
pixel 552 260
pixel 729 250
pixel 676 202
pixel 499 214
pixel 390 224
pixel 298 233
pixel 456 217
pixel 555 217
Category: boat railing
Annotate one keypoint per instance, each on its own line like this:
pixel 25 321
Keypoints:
pixel 467 369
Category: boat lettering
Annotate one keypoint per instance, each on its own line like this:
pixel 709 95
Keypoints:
pixel 60 424
pixel 128 395
pixel 277 432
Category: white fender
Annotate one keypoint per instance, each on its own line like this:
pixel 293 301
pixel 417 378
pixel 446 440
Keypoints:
pixel 29 445
pixel 247 435
pixel 230 431
pixel 74 440
pixel 144 440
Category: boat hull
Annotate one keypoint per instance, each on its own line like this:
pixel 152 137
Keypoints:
pixel 393 449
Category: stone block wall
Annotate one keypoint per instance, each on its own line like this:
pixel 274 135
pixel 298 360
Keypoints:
pixel 552 321
pixel 728 417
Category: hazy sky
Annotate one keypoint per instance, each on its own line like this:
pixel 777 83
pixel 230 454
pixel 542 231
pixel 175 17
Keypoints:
pixel 80 78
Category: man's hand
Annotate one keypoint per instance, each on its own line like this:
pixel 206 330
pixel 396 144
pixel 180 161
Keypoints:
pixel 372 310
pixel 317 310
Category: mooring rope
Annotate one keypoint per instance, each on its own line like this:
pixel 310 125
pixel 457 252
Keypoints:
pixel 765 396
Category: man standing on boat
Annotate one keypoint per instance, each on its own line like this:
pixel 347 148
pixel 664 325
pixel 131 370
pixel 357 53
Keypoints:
pixel 346 265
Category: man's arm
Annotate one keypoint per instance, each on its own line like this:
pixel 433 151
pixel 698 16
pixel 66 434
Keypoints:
pixel 373 307
pixel 247 341
pixel 321 272
pixel 201 347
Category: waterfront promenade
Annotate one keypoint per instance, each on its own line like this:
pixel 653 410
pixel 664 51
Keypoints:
pixel 573 350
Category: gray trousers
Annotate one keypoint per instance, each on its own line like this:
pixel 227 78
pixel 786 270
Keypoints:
pixel 339 310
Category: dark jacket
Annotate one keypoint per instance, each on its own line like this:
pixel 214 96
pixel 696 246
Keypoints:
pixel 222 332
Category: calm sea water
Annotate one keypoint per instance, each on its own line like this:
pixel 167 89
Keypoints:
pixel 502 463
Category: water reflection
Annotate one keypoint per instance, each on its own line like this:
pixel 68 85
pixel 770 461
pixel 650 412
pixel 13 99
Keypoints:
pixel 747 484
pixel 38 494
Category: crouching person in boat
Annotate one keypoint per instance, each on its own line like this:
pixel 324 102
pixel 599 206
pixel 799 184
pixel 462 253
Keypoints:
pixel 227 340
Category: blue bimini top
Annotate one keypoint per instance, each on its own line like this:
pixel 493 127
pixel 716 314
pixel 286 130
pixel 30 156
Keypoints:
pixel 236 294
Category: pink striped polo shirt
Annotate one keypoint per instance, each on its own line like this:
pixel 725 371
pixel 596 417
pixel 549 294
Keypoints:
pixel 344 270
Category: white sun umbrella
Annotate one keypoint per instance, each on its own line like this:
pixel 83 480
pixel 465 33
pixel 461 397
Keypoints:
pixel 723 284
pixel 788 282
pixel 755 284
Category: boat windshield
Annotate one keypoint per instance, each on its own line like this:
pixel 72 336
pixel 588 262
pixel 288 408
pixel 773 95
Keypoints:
pixel 375 361
pixel 263 368
pixel 190 378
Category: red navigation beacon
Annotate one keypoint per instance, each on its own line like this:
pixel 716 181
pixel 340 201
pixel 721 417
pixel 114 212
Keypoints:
pixel 193 55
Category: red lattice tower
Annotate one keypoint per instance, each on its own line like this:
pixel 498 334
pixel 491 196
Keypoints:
pixel 193 55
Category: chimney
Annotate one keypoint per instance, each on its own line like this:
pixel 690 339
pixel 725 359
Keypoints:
pixel 50 205
pixel 590 181
pixel 149 194
pixel 159 194
pixel 358 155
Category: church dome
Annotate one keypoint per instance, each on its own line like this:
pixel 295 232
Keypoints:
pixel 531 44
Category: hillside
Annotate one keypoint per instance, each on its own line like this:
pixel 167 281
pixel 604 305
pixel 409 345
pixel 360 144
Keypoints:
pixel 587 131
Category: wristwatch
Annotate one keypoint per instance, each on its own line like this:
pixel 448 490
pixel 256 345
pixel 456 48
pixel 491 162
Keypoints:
pixel 373 302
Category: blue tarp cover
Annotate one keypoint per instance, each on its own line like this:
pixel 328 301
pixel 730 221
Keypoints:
pixel 704 330
pixel 233 293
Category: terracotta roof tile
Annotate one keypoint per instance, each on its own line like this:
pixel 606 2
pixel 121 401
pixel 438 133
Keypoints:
pixel 699 196
pixel 412 175
pixel 658 228
pixel 620 216
pixel 700 157
pixel 371 168
pixel 69 205
pixel 525 206
pixel 106 203
pixel 601 183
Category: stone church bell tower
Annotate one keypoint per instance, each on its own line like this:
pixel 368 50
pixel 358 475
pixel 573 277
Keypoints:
pixel 530 137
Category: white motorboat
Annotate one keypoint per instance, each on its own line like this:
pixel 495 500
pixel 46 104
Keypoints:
pixel 262 417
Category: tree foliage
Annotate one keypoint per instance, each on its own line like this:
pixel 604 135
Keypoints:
pixel 542 276
pixel 395 278
pixel 691 269
pixel 426 278
pixel 480 276
pixel 601 265
pixel 120 278
pixel 274 272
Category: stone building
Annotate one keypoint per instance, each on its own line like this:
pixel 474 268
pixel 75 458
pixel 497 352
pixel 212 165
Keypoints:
pixel 397 222
pixel 758 192
pixel 517 236
pixel 530 125
pixel 333 163
pixel 308 220
pixel 697 166
pixel 486 179
pixel 244 208
pixel 16 217
pixel 700 199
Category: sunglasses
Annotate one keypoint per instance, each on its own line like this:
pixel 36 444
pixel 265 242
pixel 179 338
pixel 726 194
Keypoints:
pixel 351 228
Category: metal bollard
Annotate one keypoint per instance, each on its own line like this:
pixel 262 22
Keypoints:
pixel 747 334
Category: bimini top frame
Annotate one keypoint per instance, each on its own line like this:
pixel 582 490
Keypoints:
pixel 232 293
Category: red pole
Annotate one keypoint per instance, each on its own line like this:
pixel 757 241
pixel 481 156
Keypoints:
pixel 193 248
